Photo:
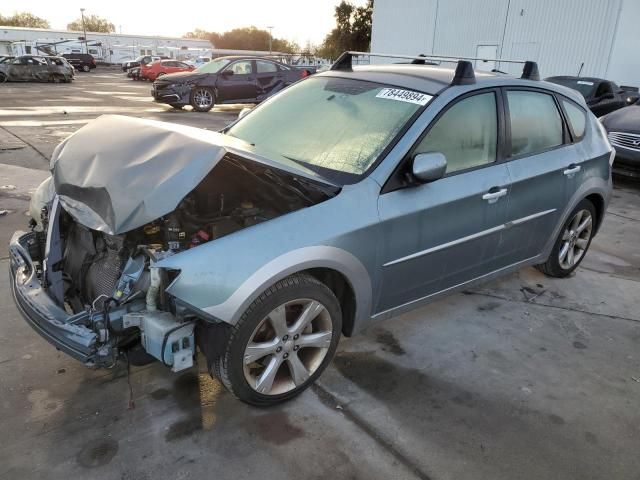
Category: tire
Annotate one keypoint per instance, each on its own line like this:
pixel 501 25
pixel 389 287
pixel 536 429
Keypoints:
pixel 160 74
pixel 3 77
pixel 572 244
pixel 86 68
pixel 295 296
pixel 197 99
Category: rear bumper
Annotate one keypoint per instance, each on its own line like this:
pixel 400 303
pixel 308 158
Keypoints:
pixel 53 323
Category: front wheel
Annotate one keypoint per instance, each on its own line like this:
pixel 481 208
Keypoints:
pixel 572 242
pixel 282 343
pixel 85 68
pixel 202 99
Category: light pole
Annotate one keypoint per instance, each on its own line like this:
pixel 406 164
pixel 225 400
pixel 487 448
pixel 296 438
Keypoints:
pixel 270 38
pixel 84 29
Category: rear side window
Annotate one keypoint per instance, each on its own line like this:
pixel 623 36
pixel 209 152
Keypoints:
pixel 266 67
pixel 577 118
pixel 467 133
pixel 535 122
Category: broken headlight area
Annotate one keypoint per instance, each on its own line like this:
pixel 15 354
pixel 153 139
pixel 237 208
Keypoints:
pixel 110 284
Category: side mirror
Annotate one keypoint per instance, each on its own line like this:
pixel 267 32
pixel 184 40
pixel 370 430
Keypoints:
pixel 243 112
pixel 227 73
pixel 428 167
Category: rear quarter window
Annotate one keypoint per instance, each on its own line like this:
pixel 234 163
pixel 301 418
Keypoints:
pixel 576 117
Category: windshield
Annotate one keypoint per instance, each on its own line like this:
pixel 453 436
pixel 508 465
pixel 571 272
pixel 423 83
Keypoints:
pixel 585 87
pixel 340 126
pixel 213 66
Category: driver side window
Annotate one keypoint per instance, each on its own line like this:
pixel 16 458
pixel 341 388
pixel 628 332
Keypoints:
pixel 467 133
pixel 241 68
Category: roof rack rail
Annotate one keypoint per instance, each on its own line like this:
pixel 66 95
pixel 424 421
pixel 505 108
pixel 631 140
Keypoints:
pixel 464 74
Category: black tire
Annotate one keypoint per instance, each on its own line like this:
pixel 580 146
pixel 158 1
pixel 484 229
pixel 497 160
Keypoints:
pixel 86 68
pixel 228 366
pixel 3 77
pixel 553 267
pixel 202 106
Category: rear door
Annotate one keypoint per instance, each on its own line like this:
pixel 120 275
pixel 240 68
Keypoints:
pixel 542 164
pixel 269 78
pixel 239 86
pixel 445 233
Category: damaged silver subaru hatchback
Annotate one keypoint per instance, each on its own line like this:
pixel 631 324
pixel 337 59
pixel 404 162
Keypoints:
pixel 352 196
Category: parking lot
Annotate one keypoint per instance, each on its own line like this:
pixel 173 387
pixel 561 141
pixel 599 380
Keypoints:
pixel 525 377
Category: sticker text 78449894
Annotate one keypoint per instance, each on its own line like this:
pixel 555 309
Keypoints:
pixel 404 96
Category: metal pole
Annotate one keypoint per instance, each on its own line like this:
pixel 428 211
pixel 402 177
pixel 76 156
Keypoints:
pixel 270 38
pixel 84 29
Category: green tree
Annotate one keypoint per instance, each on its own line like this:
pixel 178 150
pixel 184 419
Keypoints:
pixel 23 19
pixel 247 38
pixel 92 23
pixel 352 31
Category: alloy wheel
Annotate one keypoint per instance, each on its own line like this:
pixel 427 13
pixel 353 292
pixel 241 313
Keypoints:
pixel 203 98
pixel 287 346
pixel 575 239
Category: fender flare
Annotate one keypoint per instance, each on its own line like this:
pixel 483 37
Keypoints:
pixel 292 262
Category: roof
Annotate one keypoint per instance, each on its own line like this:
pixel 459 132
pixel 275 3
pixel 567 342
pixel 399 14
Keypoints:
pixel 433 79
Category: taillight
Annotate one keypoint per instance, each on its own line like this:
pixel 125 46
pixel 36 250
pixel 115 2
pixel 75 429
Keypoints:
pixel 305 73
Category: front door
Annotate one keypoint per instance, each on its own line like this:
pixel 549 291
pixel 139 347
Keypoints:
pixel 443 234
pixel 238 86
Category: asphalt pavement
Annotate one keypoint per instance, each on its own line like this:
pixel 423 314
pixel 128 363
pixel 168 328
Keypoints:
pixel 526 377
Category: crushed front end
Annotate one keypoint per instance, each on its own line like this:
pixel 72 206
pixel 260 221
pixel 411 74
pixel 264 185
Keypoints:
pixel 96 296
pixel 87 276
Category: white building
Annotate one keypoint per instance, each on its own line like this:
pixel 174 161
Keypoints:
pixel 596 38
pixel 105 47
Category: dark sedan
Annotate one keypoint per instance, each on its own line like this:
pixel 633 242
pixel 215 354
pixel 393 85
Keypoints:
pixel 225 80
pixel 623 130
pixel 602 96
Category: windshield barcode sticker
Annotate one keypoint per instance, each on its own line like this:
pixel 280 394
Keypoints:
pixel 404 96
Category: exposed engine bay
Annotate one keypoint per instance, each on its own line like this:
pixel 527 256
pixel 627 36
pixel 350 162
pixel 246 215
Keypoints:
pixel 109 283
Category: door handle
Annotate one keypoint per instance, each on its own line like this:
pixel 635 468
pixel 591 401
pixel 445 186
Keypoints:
pixel 572 170
pixel 494 194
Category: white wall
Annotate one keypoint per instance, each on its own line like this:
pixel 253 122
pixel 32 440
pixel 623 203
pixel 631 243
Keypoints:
pixel 624 62
pixel 560 35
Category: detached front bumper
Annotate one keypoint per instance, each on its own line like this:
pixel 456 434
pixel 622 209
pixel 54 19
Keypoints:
pixel 52 322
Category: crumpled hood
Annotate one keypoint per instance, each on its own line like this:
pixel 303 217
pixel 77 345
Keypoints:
pixel 118 173
pixel 626 119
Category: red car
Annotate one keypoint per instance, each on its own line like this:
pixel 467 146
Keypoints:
pixel 156 69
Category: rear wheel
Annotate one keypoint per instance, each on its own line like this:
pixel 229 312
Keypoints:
pixel 202 99
pixel 3 77
pixel 572 242
pixel 85 68
pixel 282 343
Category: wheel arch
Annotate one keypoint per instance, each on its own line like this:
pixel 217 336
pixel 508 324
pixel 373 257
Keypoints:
pixel 600 205
pixel 339 269
pixel 339 284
